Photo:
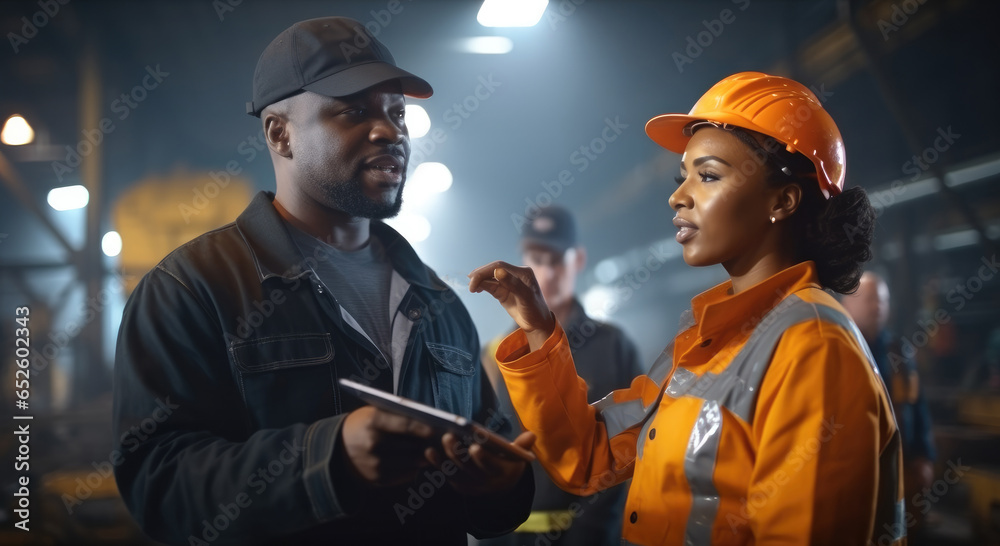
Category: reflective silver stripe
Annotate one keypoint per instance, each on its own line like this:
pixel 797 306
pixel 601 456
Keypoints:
pixel 627 543
pixel 659 370
pixel 680 382
pixel 737 389
pixel 900 526
pixel 699 468
pixel 685 321
pixel 737 386
pixel 619 417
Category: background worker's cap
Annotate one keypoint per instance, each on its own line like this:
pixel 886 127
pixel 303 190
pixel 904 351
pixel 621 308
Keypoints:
pixel 332 56
pixel 778 107
pixel 552 227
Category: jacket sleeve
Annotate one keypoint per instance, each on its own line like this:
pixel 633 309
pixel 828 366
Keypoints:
pixel 185 464
pixel 551 401
pixel 821 423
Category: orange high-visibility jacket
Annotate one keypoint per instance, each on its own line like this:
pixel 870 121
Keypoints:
pixel 765 422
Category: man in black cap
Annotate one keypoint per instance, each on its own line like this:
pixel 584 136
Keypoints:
pixel 605 358
pixel 231 424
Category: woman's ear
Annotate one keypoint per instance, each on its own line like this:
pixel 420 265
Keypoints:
pixel 787 201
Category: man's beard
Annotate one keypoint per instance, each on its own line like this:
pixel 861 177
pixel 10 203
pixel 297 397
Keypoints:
pixel 351 199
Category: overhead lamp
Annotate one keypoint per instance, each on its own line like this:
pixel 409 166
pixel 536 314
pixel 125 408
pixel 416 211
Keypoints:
pixel 432 177
pixel 487 45
pixel 417 120
pixel 16 131
pixel 111 244
pixel 68 197
pixel 600 302
pixel 414 227
pixel 511 13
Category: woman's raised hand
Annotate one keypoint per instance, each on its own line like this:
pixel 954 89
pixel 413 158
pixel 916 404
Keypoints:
pixel 517 291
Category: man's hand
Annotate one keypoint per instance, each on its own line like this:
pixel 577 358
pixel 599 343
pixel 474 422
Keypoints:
pixel 517 291
pixel 479 471
pixel 383 448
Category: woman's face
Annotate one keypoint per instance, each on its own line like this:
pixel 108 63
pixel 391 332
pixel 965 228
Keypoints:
pixel 723 201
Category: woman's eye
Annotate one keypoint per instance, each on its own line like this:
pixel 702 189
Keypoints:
pixel 707 176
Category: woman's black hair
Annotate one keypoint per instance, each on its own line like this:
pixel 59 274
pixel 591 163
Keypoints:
pixel 836 233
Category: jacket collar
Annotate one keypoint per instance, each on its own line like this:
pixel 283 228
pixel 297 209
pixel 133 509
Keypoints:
pixel 717 310
pixel 276 255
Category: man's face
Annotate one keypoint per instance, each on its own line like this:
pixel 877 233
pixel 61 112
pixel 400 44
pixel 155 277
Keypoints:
pixel 350 153
pixel 556 272
pixel 869 306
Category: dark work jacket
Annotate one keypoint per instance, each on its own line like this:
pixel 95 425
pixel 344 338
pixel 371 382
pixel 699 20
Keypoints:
pixel 227 406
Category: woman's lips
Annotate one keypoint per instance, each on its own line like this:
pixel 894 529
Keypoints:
pixel 685 230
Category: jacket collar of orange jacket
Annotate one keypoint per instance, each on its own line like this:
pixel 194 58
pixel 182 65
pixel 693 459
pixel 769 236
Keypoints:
pixel 717 310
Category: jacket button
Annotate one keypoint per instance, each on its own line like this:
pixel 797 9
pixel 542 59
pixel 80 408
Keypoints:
pixel 706 343
pixel 319 289
pixel 652 433
pixel 633 517
pixel 414 313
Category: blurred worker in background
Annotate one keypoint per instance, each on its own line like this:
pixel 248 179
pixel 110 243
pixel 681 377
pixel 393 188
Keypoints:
pixel 606 359
pixel 869 307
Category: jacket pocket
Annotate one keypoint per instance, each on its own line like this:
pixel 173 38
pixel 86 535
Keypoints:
pixel 454 373
pixel 276 352
pixel 285 379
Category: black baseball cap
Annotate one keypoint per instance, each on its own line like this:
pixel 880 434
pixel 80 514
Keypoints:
pixel 552 227
pixel 332 56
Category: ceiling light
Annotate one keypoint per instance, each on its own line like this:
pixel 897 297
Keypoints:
pixel 68 197
pixel 414 227
pixel 111 244
pixel 16 131
pixel 432 177
pixel 417 120
pixel 511 13
pixel 487 45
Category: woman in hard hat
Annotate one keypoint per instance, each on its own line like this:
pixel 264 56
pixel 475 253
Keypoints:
pixel 765 420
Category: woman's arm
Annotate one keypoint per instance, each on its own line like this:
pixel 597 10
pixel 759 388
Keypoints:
pixel 551 400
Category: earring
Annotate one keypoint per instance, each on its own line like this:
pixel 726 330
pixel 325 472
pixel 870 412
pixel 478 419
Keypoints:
pixel 773 219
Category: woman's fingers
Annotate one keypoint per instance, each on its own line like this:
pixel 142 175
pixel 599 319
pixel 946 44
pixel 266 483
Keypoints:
pixel 517 291
pixel 481 274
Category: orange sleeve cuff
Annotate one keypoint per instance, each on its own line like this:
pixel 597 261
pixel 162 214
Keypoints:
pixel 513 353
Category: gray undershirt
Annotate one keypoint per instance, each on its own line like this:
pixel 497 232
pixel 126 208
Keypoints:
pixel 360 281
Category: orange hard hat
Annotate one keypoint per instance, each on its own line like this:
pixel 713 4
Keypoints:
pixel 777 107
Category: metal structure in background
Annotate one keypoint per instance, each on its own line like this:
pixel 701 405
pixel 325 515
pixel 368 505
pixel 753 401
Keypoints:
pixel 90 375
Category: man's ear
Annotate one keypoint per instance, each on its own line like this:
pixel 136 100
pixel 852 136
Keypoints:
pixel 277 133
pixel 789 197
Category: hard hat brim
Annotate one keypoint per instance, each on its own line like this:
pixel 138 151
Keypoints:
pixel 667 130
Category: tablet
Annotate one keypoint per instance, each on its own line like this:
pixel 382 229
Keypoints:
pixel 469 431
